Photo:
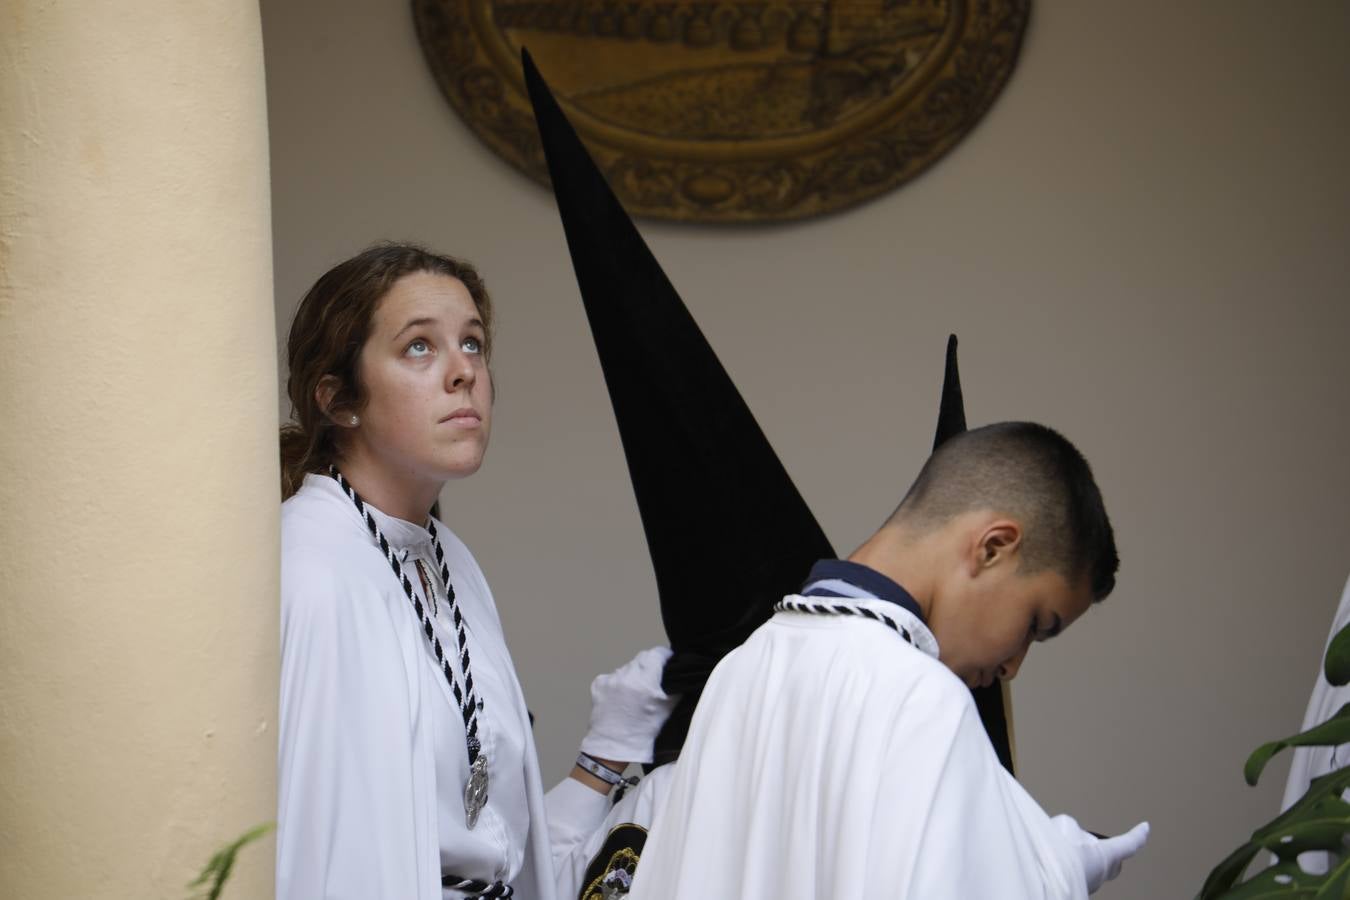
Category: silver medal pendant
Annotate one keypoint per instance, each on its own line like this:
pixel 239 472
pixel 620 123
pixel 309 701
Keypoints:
pixel 476 791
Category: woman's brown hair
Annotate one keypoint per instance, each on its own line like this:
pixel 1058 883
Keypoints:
pixel 329 330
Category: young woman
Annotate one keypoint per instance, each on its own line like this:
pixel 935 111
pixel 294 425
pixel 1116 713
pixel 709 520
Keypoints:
pixel 407 768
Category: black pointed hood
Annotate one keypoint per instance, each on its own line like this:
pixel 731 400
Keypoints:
pixel 727 530
pixel 951 422
pixel 952 407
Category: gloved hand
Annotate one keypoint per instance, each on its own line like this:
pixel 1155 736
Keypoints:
pixel 628 708
pixel 1102 857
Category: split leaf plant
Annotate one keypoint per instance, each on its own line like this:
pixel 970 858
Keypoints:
pixel 1320 820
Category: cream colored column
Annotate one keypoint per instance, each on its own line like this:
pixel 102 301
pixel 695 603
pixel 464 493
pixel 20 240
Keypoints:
pixel 138 452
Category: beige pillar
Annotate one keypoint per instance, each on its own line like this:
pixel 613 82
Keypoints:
pixel 138 484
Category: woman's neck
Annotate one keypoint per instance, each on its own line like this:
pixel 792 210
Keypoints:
pixel 394 493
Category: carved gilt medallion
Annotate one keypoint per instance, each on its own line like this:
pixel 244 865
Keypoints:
pixel 731 110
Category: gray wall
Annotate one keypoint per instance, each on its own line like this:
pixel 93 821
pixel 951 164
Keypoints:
pixel 1144 244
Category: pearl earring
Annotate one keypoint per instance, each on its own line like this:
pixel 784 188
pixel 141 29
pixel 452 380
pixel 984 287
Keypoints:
pixel 355 420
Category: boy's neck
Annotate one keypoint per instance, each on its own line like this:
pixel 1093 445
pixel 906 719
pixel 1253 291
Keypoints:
pixel 907 559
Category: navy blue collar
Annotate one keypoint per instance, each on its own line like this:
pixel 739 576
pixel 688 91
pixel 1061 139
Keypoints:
pixel 862 577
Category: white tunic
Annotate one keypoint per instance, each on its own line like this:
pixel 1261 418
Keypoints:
pixel 372 762
pixel 829 758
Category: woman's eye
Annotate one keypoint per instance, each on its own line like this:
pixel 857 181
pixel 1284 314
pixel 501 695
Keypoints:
pixel 472 345
pixel 418 347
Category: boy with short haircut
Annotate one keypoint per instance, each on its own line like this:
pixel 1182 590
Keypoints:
pixel 837 753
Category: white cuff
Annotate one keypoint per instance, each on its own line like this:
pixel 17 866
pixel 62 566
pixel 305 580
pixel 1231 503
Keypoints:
pixel 574 811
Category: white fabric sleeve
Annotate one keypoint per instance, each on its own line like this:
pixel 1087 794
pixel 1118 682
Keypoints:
pixel 638 807
pixel 574 813
pixel 984 835
pixel 353 818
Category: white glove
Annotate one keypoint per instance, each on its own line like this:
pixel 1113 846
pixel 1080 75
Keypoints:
pixel 1102 857
pixel 628 708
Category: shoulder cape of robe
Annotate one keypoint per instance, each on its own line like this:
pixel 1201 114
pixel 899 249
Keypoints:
pixel 829 758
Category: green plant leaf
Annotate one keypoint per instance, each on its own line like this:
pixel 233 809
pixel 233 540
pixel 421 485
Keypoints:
pixel 1227 873
pixel 1336 666
pixel 217 871
pixel 1337 885
pixel 1319 820
pixel 1321 801
pixel 1323 797
pixel 1322 833
pixel 1332 732
pixel 1284 881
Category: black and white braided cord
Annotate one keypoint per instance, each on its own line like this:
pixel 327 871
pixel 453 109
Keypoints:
pixel 462 640
pixel 477 890
pixel 843 609
pixel 466 698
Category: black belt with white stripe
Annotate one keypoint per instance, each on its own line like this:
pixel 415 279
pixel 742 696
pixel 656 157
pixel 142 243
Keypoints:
pixel 477 890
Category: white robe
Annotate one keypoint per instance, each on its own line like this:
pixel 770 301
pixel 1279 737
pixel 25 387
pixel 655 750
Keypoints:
pixel 372 761
pixel 829 758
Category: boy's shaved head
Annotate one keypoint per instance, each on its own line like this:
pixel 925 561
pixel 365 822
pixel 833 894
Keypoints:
pixel 1032 474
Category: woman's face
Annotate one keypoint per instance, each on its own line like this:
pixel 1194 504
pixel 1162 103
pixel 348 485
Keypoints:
pixel 428 391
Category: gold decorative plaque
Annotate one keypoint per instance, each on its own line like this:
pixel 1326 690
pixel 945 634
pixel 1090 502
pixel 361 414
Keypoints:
pixel 731 110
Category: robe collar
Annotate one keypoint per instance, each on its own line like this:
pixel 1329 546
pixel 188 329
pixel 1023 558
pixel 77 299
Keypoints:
pixel 844 578
pixel 407 538
pixel 859 576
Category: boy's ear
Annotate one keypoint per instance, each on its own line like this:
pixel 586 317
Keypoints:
pixel 1000 542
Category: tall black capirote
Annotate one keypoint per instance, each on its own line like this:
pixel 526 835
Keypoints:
pixel 728 532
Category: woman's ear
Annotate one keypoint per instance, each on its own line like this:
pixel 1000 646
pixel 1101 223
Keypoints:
pixel 324 392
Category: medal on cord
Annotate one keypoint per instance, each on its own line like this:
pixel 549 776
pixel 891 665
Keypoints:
pixel 476 789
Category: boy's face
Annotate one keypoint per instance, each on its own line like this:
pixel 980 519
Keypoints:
pixel 987 622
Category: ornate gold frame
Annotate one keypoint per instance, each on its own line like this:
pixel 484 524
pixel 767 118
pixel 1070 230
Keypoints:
pixel 799 107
